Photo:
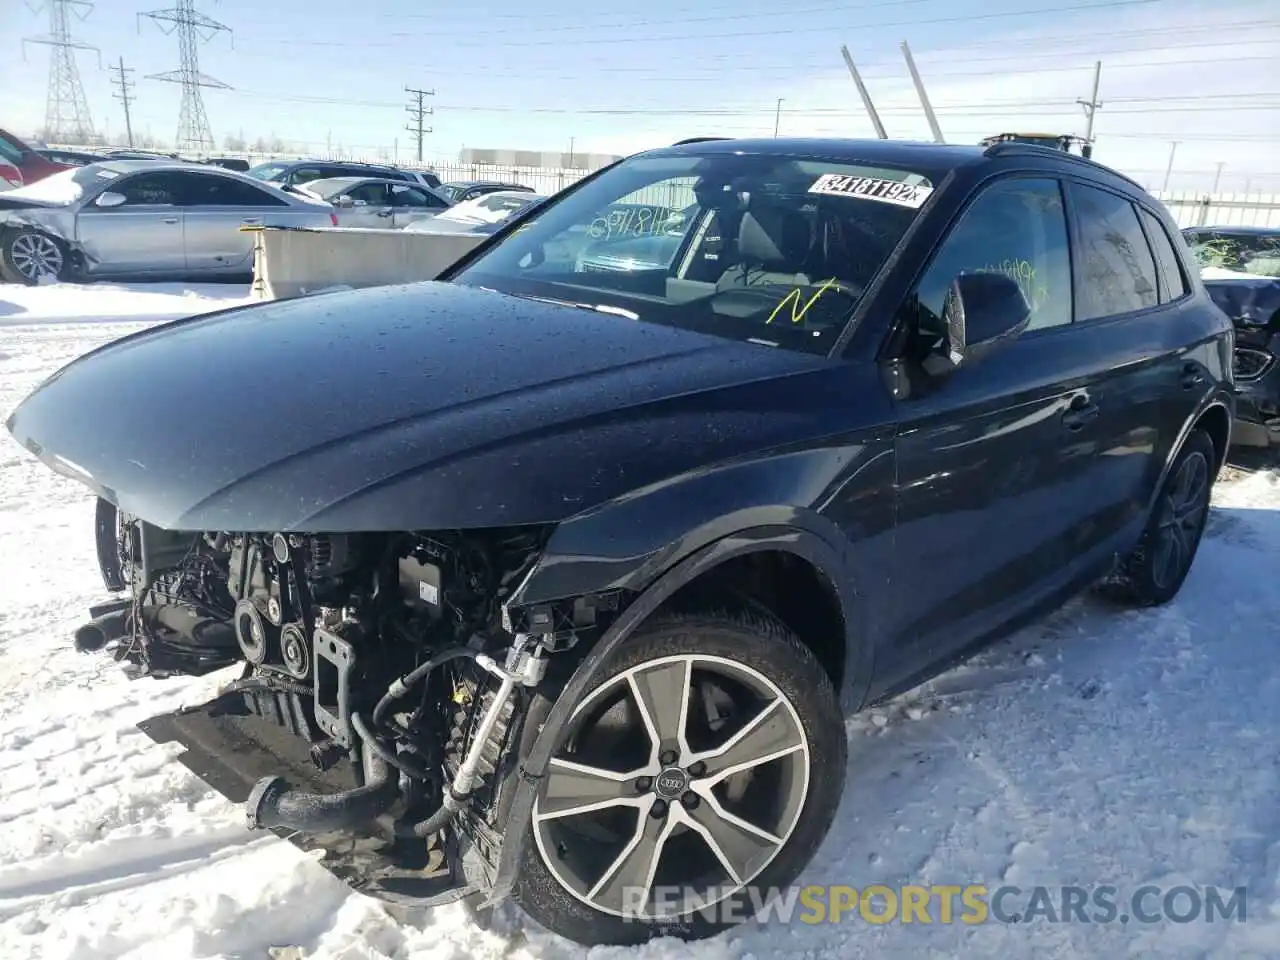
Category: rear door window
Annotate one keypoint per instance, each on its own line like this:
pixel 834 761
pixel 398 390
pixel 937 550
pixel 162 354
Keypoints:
pixel 1173 283
pixel 1115 269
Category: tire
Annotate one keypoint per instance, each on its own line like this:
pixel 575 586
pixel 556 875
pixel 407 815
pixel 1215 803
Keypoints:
pixel 805 722
pixel 28 254
pixel 1143 580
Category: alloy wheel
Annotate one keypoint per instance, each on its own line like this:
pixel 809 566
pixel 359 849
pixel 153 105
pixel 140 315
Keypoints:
pixel 35 255
pixel 682 779
pixel 1182 515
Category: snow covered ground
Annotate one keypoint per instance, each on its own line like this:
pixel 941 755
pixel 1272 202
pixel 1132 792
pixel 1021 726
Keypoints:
pixel 1101 747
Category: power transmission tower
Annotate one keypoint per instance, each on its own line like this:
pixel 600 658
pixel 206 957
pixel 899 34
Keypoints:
pixel 121 80
pixel 417 114
pixel 192 28
pixel 1093 104
pixel 66 112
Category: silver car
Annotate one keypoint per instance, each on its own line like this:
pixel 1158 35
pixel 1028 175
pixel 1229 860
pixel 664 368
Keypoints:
pixel 143 218
pixel 377 203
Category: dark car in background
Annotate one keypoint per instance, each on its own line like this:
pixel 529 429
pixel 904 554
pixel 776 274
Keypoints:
pixel 459 191
pixel 1240 268
pixel 292 173
pixel 238 164
pixel 70 158
pixel 31 163
pixel 559 584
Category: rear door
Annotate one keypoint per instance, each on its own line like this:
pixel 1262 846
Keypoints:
pixel 996 460
pixel 1149 380
pixel 141 236
pixel 410 204
pixel 216 208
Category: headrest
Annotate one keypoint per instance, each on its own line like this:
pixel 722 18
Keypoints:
pixel 774 236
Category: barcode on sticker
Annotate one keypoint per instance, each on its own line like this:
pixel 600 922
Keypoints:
pixel 872 188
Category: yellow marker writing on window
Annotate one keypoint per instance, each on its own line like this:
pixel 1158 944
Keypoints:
pixel 793 298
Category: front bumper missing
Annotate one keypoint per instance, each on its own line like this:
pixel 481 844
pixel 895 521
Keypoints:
pixel 230 748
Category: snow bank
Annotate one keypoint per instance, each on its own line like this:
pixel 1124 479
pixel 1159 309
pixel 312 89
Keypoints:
pixel 72 303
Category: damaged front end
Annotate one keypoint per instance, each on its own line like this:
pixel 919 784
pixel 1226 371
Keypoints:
pixel 38 241
pixel 386 692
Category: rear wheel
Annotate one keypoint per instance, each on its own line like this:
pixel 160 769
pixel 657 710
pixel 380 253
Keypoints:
pixel 1155 571
pixel 702 771
pixel 31 256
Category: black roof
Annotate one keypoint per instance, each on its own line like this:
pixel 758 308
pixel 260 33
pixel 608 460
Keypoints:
pixel 1248 231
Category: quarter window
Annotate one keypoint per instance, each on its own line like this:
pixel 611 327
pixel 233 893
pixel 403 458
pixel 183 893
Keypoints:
pixel 1173 284
pixel 1016 227
pixel 216 191
pixel 1116 268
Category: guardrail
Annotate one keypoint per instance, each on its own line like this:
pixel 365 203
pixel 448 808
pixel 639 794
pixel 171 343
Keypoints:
pixel 296 261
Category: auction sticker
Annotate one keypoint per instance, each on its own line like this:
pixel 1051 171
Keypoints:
pixel 872 188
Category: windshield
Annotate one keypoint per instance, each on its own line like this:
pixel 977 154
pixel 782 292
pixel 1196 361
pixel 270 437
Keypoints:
pixel 267 171
pixel 65 186
pixel 1253 253
pixel 773 249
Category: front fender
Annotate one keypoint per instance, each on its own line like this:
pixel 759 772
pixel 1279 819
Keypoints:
pixel 817 550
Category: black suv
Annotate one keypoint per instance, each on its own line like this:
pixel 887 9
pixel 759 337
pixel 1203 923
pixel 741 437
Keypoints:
pixel 558 582
pixel 292 173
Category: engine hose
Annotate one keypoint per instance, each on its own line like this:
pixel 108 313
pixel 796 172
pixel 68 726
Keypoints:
pixel 385 752
pixel 259 682
pixel 402 686
pixel 434 823
pixel 273 804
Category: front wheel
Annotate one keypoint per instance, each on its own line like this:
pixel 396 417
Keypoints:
pixel 698 776
pixel 31 256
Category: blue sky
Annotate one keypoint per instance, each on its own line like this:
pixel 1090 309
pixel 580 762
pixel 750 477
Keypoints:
pixel 330 74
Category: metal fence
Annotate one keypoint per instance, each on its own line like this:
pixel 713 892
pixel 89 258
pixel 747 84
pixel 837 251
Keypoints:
pixel 1222 209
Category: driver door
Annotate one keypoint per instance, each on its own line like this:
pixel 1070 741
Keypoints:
pixel 995 459
pixel 144 235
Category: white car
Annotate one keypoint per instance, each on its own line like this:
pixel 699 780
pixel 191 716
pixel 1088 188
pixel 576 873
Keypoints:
pixel 483 214
pixel 376 203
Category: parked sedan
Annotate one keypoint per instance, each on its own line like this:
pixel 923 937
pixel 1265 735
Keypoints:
pixel 32 164
pixel 72 158
pixel 459 191
pixel 481 215
pixel 376 203
pixel 142 218
pixel 10 176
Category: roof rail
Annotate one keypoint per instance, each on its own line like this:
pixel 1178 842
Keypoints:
pixel 681 143
pixel 1014 148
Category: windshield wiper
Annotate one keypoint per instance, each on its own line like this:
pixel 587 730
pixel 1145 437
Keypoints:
pixel 596 307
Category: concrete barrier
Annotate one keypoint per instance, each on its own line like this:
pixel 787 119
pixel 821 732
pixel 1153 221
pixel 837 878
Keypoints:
pixel 295 262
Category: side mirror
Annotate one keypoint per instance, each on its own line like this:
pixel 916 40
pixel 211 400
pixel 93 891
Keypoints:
pixel 109 199
pixel 344 202
pixel 981 312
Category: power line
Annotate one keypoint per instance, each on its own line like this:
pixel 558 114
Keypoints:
pixel 66 114
pixel 121 80
pixel 417 114
pixel 192 27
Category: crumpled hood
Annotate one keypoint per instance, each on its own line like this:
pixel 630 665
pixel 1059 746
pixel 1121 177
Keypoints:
pixel 413 407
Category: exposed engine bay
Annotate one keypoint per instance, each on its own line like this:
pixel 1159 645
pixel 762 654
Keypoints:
pixel 384 686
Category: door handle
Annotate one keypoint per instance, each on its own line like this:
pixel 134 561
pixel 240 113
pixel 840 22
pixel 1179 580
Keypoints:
pixel 250 219
pixel 1082 411
pixel 169 220
pixel 1191 376
pixel 384 213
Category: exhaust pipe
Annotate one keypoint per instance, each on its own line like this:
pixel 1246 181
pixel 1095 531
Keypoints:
pixel 272 804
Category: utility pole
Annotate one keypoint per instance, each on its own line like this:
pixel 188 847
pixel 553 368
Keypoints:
pixel 121 80
pixel 417 114
pixel 1092 105
pixel 1218 176
pixel 862 92
pixel 924 97
pixel 777 118
pixel 1168 171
